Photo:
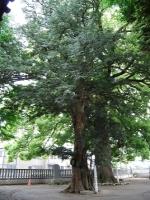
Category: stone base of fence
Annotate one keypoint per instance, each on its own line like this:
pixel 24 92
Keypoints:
pixel 58 181
pixel 21 181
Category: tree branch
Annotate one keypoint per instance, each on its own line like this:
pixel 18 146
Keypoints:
pixel 133 81
pixel 124 70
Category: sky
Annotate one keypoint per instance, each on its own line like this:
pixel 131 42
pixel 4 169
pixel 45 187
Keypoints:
pixel 16 15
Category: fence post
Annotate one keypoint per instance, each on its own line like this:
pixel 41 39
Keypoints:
pixel 131 174
pixel 117 174
pixel 56 171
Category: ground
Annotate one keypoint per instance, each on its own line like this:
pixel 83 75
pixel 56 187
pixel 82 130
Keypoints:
pixel 135 190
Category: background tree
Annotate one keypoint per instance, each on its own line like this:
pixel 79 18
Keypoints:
pixel 10 57
pixel 137 13
pixel 117 130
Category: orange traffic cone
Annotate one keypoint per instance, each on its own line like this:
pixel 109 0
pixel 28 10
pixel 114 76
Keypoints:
pixel 29 182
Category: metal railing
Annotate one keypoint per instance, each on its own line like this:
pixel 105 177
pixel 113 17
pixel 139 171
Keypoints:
pixel 66 173
pixel 7 174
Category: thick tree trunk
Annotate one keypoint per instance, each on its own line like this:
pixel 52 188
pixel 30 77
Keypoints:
pixel 81 179
pixel 106 174
pixel 103 161
pixel 103 149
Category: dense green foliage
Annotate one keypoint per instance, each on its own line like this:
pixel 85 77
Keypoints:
pixel 9 61
pixel 137 13
pixel 10 54
pixel 41 138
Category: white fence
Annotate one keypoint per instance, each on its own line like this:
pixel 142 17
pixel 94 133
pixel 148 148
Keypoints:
pixel 121 173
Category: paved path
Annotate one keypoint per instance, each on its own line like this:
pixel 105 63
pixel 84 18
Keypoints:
pixel 139 190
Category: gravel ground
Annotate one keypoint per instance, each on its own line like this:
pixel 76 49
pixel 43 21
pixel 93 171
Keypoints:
pixel 138 189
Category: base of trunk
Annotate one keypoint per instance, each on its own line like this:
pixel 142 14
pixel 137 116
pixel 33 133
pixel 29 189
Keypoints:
pixel 69 189
pixel 105 174
pixel 81 180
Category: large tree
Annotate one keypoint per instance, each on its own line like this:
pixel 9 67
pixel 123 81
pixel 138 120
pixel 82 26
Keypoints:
pixel 119 133
pixel 73 61
pixel 136 15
